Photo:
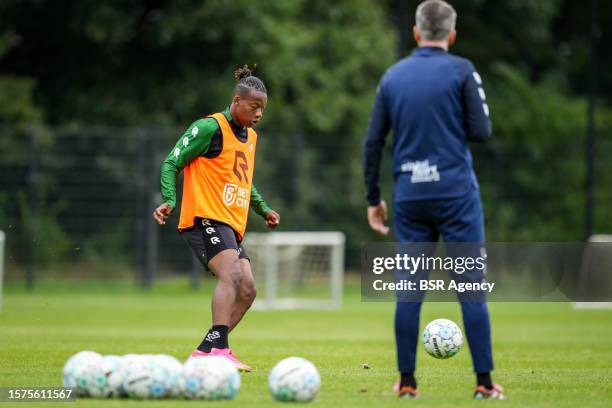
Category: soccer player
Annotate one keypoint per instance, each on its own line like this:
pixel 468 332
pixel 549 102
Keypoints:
pixel 217 154
pixel 435 103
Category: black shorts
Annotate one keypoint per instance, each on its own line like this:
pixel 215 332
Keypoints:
pixel 209 237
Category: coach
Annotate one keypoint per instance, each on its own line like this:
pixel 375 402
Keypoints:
pixel 435 103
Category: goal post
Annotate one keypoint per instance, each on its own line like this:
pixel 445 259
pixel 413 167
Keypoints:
pixel 586 270
pixel 297 270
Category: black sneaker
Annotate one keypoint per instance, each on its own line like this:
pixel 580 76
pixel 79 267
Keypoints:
pixel 405 391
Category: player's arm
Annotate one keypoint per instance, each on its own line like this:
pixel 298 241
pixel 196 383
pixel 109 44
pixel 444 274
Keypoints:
pixel 372 154
pixel 477 121
pixel 194 142
pixel 259 205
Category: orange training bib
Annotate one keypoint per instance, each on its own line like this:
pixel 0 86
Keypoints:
pixel 220 188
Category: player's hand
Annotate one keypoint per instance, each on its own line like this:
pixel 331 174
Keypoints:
pixel 377 215
pixel 272 219
pixel 162 212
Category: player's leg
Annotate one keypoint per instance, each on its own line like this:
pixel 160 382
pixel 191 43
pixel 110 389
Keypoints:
pixel 462 220
pixel 226 267
pixel 246 292
pixel 227 303
pixel 215 246
pixel 411 225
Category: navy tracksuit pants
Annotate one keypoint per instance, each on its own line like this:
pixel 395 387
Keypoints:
pixel 458 219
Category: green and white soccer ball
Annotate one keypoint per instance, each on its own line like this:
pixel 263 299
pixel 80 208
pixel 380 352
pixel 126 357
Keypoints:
pixel 442 338
pixel 175 369
pixel 82 372
pixel 209 378
pixel 294 379
pixel 104 374
pixel 147 378
pixel 117 377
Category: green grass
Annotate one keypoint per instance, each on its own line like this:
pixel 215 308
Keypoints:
pixel 547 354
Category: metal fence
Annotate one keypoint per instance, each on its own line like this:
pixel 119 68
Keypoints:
pixel 78 201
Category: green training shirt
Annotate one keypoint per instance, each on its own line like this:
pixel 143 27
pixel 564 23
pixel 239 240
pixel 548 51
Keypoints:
pixel 195 142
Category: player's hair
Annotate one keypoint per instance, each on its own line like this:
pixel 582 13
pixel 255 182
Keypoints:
pixel 436 19
pixel 248 82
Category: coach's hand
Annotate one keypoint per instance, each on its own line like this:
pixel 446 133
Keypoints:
pixel 162 212
pixel 272 219
pixel 377 215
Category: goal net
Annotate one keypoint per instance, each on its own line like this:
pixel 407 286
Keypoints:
pixel 595 258
pixel 297 270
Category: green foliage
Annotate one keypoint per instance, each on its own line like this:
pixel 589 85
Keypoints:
pixel 16 92
pixel 42 230
pixel 539 132
pixel 136 62
pixel 537 115
pixel 16 104
pixel 516 31
pixel 157 63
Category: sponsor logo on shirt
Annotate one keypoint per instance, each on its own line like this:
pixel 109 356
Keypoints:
pixel 422 171
pixel 229 194
pixel 232 194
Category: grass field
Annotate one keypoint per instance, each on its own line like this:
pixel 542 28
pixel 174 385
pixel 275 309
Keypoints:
pixel 547 354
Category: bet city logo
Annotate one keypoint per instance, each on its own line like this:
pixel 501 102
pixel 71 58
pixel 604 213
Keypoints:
pixel 234 194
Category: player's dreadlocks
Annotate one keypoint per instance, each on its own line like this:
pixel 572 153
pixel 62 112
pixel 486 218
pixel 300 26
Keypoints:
pixel 248 82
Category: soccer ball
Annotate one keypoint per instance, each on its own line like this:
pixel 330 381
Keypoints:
pixel 68 372
pixel 294 379
pixel 442 338
pixel 116 379
pixel 82 372
pixel 147 377
pixel 174 368
pixel 102 386
pixel 209 378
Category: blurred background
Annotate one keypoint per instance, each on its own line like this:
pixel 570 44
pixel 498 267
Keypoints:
pixel 94 94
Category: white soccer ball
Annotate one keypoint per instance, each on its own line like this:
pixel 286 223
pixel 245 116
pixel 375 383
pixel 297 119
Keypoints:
pixel 174 368
pixel 442 338
pixel 147 378
pixel 294 379
pixel 81 372
pixel 117 378
pixel 103 373
pixel 209 378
